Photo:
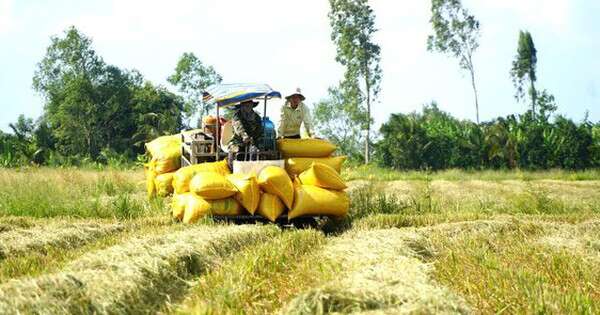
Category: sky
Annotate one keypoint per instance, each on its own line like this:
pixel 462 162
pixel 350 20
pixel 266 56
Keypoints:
pixel 287 45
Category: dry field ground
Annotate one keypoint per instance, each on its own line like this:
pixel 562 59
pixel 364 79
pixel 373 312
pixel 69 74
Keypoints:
pixel 88 242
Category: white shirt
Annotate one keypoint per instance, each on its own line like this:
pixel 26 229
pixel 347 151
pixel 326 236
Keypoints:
pixel 291 119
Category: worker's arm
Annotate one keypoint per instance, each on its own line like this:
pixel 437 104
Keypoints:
pixel 282 120
pixel 238 128
pixel 307 120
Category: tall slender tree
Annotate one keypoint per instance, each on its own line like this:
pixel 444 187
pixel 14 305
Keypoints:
pixel 524 68
pixel 455 32
pixel 353 26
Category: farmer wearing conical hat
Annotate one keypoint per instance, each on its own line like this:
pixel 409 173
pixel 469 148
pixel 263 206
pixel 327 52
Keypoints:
pixel 247 130
pixel 293 114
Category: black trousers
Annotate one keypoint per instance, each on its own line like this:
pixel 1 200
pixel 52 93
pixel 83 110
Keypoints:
pixel 292 137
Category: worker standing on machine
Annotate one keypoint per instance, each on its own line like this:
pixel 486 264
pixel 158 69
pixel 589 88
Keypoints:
pixel 247 131
pixel 293 114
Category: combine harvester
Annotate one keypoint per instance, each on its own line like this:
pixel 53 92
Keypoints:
pixel 304 168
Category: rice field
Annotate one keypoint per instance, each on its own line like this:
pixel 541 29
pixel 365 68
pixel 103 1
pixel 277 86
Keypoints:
pixel 494 242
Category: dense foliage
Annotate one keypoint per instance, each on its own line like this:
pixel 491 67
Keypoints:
pixel 434 139
pixel 95 112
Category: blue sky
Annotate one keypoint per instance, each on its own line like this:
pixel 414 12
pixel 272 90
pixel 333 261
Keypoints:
pixel 287 44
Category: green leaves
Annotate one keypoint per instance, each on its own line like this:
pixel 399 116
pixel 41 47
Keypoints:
pixel 524 69
pixel 456 33
pixel 335 119
pixel 192 77
pixel 434 139
pixel 352 28
pixel 93 107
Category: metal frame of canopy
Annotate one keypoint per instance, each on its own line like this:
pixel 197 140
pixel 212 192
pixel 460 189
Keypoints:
pixel 229 95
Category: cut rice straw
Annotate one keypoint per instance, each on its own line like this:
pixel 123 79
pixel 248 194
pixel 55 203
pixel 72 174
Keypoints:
pixel 17 241
pixel 380 271
pixel 134 277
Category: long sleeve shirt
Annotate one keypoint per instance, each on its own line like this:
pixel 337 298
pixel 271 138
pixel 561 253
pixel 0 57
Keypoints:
pixel 291 119
pixel 247 126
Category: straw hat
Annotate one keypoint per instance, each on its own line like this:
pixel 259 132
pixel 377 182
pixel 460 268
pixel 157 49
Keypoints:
pixel 209 120
pixel 296 92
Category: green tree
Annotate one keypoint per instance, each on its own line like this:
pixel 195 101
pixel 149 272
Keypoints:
pixel 66 78
pixel 92 108
pixel 158 113
pixel 192 77
pixel 333 120
pixel 23 130
pixel 353 27
pixel 524 68
pixel 455 32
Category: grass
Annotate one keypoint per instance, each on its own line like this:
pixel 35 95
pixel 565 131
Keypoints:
pixel 374 173
pixel 55 234
pixel 84 241
pixel 427 202
pixel 53 256
pixel 47 192
pixel 378 270
pixel 261 278
pixel 508 271
pixel 140 274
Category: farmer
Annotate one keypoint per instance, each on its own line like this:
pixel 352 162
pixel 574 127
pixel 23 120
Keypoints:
pixel 209 124
pixel 293 114
pixel 247 130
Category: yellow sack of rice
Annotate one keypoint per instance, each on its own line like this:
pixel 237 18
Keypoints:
pixel 226 207
pixel 164 184
pixel 323 176
pixel 313 200
pixel 166 153
pixel 305 147
pixel 211 186
pixel 276 181
pixel 183 176
pixel 295 166
pixel 270 207
pixel 195 208
pixel 150 177
pixel 248 190
pixel 178 205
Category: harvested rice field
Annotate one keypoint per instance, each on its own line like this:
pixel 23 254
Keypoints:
pixel 88 242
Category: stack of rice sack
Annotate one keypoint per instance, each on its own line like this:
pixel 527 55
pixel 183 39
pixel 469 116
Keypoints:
pixel 165 155
pixel 211 189
pixel 277 192
pixel 299 154
pixel 308 186
pixel 318 186
pixel 319 190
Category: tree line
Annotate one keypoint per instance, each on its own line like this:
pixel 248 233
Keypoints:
pixel 97 112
